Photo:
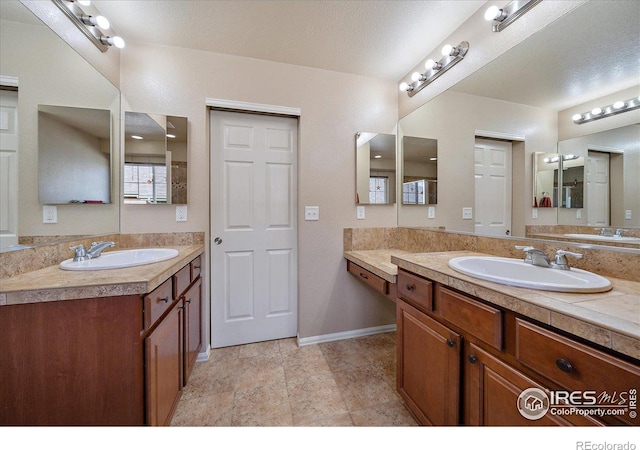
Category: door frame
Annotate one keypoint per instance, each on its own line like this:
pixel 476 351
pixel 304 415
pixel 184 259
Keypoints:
pixel 246 108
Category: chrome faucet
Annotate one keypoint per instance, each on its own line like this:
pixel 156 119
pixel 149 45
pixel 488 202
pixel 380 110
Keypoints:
pixel 605 232
pixel 560 261
pixel 619 232
pixel 96 248
pixel 535 256
pixel 94 251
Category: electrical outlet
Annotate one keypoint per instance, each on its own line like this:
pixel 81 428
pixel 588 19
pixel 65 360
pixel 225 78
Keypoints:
pixel 578 213
pixel 534 213
pixel 360 212
pixel 627 214
pixel 467 213
pixel 431 212
pixel 49 214
pixel 181 213
pixel 311 213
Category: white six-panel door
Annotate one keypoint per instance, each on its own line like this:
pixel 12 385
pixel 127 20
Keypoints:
pixel 493 187
pixel 253 228
pixel 597 201
pixel 8 168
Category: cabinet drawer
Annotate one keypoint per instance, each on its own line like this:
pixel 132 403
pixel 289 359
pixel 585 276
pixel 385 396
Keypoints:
pixel 157 302
pixel 416 290
pixel 196 267
pixel 182 280
pixel 573 365
pixel 480 320
pixel 373 280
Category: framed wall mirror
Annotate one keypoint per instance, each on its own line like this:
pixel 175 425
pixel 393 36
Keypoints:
pixel 155 159
pixel 419 171
pixel 546 175
pixel 375 168
pixel 52 74
pixel 516 99
pixel 74 155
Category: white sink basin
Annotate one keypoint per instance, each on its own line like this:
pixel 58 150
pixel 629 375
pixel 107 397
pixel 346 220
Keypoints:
pixel 515 272
pixel 122 258
pixel 597 237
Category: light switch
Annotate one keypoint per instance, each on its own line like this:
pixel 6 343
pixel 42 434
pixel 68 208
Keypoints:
pixel 627 214
pixel 431 212
pixel 360 212
pixel 467 213
pixel 534 213
pixel 578 213
pixel 311 213
pixel 49 214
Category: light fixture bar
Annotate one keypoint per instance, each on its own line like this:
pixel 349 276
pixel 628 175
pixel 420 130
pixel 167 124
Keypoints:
pixel 85 23
pixel 607 111
pixel 504 17
pixel 451 57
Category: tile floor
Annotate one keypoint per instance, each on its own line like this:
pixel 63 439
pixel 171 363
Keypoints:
pixel 276 383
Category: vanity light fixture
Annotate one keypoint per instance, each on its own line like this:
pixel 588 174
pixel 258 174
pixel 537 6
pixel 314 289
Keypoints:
pixel 607 111
pixel 433 69
pixel 92 25
pixel 503 17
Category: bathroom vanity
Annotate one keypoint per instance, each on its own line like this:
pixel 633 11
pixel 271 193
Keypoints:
pixel 110 347
pixel 467 348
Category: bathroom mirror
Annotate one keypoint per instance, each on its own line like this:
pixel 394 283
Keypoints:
pixel 74 155
pixel 572 182
pixel 375 168
pixel 155 159
pixel 517 99
pixel 546 173
pixel 38 68
pixel 419 171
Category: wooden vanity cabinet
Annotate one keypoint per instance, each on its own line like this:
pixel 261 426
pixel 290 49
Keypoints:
pixel 499 356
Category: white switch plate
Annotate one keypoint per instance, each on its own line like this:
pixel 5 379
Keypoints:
pixel 311 213
pixel 360 212
pixel 49 214
pixel 431 212
pixel 181 213
pixel 578 213
pixel 627 214
pixel 467 213
pixel 534 213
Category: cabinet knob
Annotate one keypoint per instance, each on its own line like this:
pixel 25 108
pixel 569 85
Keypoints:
pixel 472 359
pixel 364 276
pixel 188 301
pixel 564 365
pixel 450 343
pixel 164 300
pixel 410 287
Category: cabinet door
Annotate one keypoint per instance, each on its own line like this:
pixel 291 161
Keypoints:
pixel 492 389
pixel 164 367
pixel 193 327
pixel 428 367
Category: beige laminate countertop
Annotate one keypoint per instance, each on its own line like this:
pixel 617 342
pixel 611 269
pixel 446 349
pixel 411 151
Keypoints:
pixel 377 262
pixel 610 319
pixel 53 283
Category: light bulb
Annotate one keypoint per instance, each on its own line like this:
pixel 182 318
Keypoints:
pixel 446 50
pixel 171 136
pixel 547 160
pixel 135 136
pixel 404 86
pixel 576 117
pixel 429 63
pixel 619 105
pixel 596 111
pixel 116 41
pixel 84 2
pixel 416 76
pixel 493 13
pixel 378 156
pixel 102 22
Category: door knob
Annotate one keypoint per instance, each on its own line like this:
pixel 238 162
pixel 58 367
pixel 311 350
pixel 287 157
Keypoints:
pixel 217 241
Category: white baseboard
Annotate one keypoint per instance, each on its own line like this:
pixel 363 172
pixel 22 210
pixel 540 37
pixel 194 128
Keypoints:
pixel 204 356
pixel 345 335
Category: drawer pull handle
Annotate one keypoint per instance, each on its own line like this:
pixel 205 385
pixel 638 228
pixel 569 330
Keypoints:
pixel 188 301
pixel 164 300
pixel 472 359
pixel 450 343
pixel 364 276
pixel 564 365
pixel 196 267
pixel 410 287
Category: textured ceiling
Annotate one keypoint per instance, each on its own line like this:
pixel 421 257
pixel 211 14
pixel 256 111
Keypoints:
pixel 383 39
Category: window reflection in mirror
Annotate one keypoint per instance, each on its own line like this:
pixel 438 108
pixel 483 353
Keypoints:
pixel 419 171
pixel 546 173
pixel 155 159
pixel 74 155
pixel 375 168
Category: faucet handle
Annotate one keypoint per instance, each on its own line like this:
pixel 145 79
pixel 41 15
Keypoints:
pixel 619 231
pixel 560 261
pixel 566 252
pixel 81 252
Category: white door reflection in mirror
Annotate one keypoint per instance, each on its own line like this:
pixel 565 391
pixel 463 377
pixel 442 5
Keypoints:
pixel 597 174
pixel 493 187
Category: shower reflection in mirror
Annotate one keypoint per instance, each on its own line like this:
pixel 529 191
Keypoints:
pixel 419 171
pixel 375 168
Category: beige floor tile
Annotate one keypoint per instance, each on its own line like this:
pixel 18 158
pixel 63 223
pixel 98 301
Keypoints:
pixel 288 345
pixel 262 406
pixel 363 387
pixel 224 353
pixel 259 371
pixel 378 347
pixel 315 398
pixel 266 348
pixel 392 414
pixel 345 354
pixel 212 378
pixel 207 411
pixel 304 362
pixel 341 420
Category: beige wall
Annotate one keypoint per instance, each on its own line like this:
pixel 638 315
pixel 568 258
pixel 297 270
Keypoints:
pixel 454 119
pixel 334 106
